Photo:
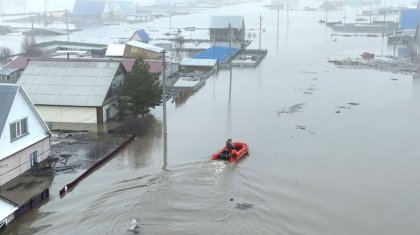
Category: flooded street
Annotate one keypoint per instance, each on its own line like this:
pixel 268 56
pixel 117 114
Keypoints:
pixel 332 150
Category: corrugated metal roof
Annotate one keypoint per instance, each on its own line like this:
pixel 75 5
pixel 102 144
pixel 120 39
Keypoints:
pixel 146 46
pixel 409 18
pixel 198 62
pixel 20 62
pixel 219 53
pixel 87 7
pixel 115 50
pixel 68 83
pixel 220 22
pixel 7 96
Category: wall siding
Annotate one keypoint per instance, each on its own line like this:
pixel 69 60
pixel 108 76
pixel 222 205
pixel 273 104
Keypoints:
pixel 67 114
pixel 18 163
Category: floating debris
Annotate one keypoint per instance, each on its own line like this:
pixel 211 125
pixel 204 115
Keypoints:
pixel 134 227
pixel 244 206
pixel 394 66
pixel 300 127
pixel 293 109
pixel 352 103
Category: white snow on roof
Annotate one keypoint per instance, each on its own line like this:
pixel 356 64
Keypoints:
pixel 198 62
pixel 6 208
pixel 146 46
pixel 115 50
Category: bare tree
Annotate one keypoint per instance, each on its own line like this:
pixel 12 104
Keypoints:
pixel 5 54
pixel 28 46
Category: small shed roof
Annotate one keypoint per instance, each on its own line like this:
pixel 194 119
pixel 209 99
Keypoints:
pixel 146 46
pixel 198 62
pixel 186 83
pixel 69 83
pixel 116 50
pixel 8 71
pixel 219 22
pixel 6 208
pixel 222 54
pixel 409 18
pixel 88 7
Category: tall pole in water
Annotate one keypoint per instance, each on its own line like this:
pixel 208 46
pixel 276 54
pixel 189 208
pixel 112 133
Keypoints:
pixel 67 19
pixel 259 44
pixel 287 6
pixel 230 62
pixel 170 17
pixel 278 23
pixel 370 13
pixel 165 132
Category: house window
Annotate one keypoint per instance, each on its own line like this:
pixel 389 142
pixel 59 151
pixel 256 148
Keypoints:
pixel 18 129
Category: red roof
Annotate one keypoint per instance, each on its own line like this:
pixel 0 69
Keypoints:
pixel 20 62
pixel 155 65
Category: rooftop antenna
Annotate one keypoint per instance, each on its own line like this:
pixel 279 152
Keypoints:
pixel 259 44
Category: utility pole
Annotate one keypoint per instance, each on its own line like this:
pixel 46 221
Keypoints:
pixel 170 17
pixel 326 17
pixel 383 25
pixel 287 6
pixel 259 45
pixel 67 20
pixel 278 23
pixel 165 132
pixel 370 13
pixel 230 62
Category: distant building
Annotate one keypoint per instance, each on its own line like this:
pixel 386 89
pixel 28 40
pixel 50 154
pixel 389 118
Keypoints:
pixel 73 91
pixel 332 5
pixel 141 36
pixel 103 8
pixel 24 137
pixel 409 18
pixel 219 28
pixel 135 49
pixel 51 47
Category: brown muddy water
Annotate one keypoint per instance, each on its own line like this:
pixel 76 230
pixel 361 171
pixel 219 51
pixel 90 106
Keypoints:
pixel 332 151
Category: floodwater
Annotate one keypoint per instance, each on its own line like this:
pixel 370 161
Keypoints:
pixel 332 151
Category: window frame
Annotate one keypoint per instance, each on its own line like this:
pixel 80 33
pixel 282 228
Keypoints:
pixel 18 129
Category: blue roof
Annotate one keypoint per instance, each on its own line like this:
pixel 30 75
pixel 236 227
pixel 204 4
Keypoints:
pixel 409 18
pixel 143 35
pixel 219 53
pixel 88 7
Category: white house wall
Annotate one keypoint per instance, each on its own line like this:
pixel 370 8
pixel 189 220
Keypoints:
pixel 20 109
pixel 67 114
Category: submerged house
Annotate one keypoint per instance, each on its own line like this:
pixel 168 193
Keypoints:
pixel 219 28
pixel 141 36
pixel 24 136
pixel 73 91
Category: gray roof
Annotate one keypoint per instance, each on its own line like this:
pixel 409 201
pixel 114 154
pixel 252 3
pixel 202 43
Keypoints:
pixel 7 96
pixel 7 71
pixel 219 22
pixel 69 83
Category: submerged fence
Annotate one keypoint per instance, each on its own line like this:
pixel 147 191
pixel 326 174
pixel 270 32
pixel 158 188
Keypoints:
pixel 33 201
pixel 91 169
